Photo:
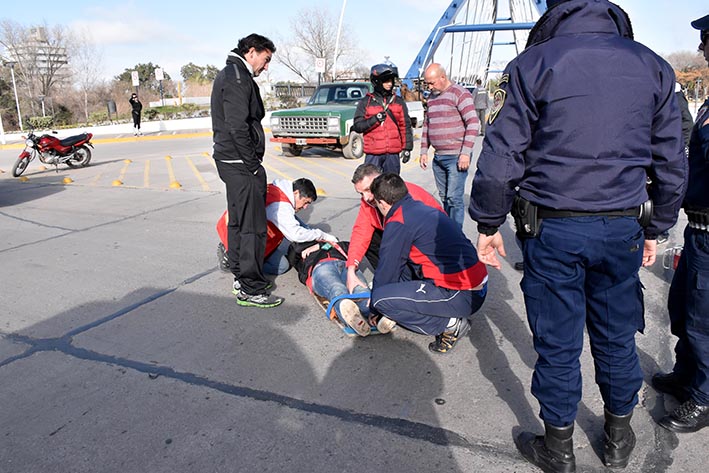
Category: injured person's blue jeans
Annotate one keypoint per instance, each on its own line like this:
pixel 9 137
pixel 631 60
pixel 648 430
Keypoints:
pixel 329 280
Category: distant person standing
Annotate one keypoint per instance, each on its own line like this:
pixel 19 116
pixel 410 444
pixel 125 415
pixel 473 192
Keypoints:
pixel 450 126
pixel 239 146
pixel 136 109
pixel 482 103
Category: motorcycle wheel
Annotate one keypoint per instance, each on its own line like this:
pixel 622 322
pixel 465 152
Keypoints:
pixel 20 166
pixel 81 158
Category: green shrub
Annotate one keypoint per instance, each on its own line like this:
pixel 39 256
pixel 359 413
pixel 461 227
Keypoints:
pixel 151 113
pixel 98 117
pixel 190 107
pixel 40 123
pixel 63 116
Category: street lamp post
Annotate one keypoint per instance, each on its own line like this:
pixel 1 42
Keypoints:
pixel 337 40
pixel 14 87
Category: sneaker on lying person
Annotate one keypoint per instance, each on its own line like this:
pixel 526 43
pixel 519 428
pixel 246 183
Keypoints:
pixel 353 317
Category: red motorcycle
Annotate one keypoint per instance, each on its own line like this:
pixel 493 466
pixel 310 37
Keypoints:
pixel 73 151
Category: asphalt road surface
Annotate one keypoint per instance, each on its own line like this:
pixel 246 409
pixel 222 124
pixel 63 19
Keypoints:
pixel 123 350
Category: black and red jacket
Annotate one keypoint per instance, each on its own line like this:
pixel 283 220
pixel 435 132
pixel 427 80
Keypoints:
pixel 389 137
pixel 422 243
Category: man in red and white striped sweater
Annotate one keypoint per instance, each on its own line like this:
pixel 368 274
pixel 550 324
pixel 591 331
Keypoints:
pixel 450 126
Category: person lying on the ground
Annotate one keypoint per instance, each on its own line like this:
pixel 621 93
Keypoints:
pixel 429 279
pixel 321 267
pixel 283 200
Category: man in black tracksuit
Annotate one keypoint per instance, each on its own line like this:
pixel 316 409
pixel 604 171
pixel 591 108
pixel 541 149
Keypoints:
pixel 239 146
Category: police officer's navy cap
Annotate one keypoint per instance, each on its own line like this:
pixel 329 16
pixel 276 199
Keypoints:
pixel 702 24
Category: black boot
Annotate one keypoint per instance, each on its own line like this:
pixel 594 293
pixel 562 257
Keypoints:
pixel 553 452
pixel 620 440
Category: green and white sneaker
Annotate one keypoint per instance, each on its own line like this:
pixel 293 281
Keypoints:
pixel 263 301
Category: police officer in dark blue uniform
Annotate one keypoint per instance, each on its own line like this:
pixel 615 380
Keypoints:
pixel 581 118
pixel 688 302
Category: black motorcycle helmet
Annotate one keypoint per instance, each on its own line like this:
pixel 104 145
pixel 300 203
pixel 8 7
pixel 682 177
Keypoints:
pixel 381 73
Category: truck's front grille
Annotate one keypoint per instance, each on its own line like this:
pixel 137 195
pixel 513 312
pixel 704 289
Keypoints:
pixel 303 124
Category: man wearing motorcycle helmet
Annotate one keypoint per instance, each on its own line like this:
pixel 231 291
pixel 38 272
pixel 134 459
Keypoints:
pixel 383 119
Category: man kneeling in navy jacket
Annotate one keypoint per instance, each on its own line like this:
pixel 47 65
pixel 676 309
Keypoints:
pixel 428 279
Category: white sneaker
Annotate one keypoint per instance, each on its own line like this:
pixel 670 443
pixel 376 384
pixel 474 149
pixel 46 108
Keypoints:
pixel 386 325
pixel 353 317
pixel 236 287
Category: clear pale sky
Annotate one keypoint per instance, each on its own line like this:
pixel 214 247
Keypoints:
pixel 177 32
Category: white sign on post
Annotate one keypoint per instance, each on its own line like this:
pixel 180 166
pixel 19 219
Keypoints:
pixel 134 77
pixel 159 75
pixel 320 65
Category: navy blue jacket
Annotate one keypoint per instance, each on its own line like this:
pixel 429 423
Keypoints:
pixel 582 116
pixel 697 195
pixel 423 243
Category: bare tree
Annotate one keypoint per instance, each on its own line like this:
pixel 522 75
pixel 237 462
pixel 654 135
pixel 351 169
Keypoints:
pixel 86 61
pixel 685 60
pixel 39 54
pixel 314 36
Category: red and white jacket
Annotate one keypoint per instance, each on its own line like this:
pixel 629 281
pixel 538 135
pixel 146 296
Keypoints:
pixel 370 219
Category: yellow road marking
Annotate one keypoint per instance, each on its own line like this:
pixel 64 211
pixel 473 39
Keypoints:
pixel 146 174
pixel 344 162
pixel 122 175
pixel 205 186
pixel 314 163
pixel 95 180
pixel 170 170
pixel 214 163
pixel 282 174
pixel 289 163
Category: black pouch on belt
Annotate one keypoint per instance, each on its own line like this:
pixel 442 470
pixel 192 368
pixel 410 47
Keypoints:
pixel 645 213
pixel 526 219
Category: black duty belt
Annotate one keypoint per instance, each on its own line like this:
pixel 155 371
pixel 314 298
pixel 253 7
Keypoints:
pixel 543 212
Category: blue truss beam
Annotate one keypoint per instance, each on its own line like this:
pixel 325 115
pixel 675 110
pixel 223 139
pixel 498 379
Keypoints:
pixel 445 25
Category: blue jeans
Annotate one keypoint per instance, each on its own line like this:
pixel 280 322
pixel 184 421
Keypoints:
pixel 277 263
pixel 451 185
pixel 688 305
pixel 329 280
pixel 388 162
pixel 582 272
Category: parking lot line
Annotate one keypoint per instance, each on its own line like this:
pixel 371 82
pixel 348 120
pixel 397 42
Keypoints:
pixel 312 162
pixel 146 174
pixel 291 164
pixel 205 186
pixel 170 170
pixel 282 174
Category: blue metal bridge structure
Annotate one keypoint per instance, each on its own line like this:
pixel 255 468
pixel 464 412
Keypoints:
pixel 471 33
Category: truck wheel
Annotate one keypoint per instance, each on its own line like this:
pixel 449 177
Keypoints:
pixel 292 150
pixel 354 149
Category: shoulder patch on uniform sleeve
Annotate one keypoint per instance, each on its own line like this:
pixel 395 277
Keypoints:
pixel 498 98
